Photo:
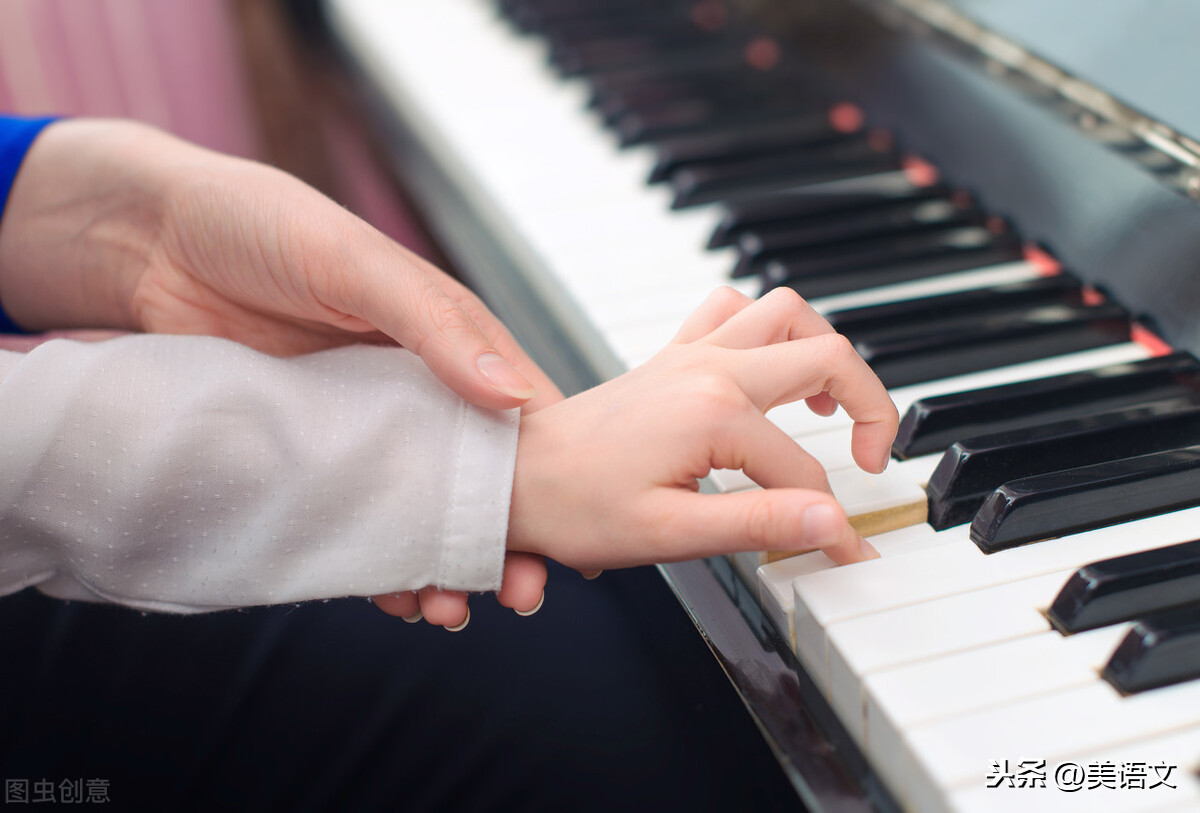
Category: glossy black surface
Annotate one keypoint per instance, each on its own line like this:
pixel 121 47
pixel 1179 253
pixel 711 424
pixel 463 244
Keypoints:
pixel 1160 650
pixel 932 424
pixel 1092 204
pixel 903 258
pixel 920 315
pixel 654 81
pixel 621 53
pixel 1127 587
pixel 971 469
pixel 759 245
pixel 743 91
pixel 662 20
pixel 965 343
pixel 531 15
pixel 707 182
pixel 1088 497
pixel 801 204
pixel 741 140
pixel 613 100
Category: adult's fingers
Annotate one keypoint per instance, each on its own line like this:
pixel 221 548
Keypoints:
pixel 780 315
pixel 782 519
pixel 446 608
pixel 788 371
pixel 504 342
pixel 524 583
pixel 405 299
pixel 402 605
pixel 714 311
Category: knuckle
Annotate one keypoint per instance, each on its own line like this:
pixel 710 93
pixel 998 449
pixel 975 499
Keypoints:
pixel 832 349
pixel 762 523
pixel 715 395
pixel 442 320
pixel 788 297
pixel 725 295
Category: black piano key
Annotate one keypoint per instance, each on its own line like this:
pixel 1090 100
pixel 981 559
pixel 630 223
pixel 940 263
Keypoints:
pixel 695 117
pixel 1067 501
pixel 901 258
pixel 966 343
pixel 654 20
pixel 932 424
pixel 617 93
pixel 741 140
pixel 692 71
pixel 721 180
pixel 757 246
pixel 971 469
pixel 613 99
pixel 534 16
pixel 651 84
pixel 732 93
pixel 1161 650
pixel 636 57
pixel 870 320
pixel 1127 587
pixel 570 51
pixel 776 208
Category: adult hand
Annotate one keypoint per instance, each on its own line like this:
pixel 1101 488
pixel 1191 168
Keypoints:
pixel 609 478
pixel 117 225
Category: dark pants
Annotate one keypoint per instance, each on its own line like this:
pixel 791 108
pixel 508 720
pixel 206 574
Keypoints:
pixel 605 700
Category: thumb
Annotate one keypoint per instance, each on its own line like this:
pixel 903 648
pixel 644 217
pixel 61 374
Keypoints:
pixel 775 519
pixel 457 351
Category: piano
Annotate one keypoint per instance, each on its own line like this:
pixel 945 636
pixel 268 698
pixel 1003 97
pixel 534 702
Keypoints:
pixel 1009 231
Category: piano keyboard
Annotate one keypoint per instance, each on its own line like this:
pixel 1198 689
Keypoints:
pixel 937 658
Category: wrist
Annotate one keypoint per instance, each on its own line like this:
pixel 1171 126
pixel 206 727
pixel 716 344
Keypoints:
pixel 82 220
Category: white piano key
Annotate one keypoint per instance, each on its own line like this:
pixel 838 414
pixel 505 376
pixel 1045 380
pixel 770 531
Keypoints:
pixel 862 646
pixel 958 752
pixel 901 698
pixel 1132 781
pixel 956 567
pixel 895 497
pixel 775 587
pixel 775 578
pixel 851 484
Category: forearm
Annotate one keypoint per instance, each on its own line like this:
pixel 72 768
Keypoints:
pixel 83 217
pixel 190 473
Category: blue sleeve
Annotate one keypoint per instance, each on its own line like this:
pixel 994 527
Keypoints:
pixel 16 135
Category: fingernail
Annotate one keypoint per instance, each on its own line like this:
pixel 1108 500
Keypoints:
pixel 887 458
pixel 592 575
pixel 412 619
pixel 821 524
pixel 463 625
pixel 527 613
pixel 867 549
pixel 503 377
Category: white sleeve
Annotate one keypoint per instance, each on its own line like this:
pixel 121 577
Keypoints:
pixel 190 473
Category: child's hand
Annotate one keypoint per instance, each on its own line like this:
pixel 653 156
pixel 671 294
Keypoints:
pixel 609 478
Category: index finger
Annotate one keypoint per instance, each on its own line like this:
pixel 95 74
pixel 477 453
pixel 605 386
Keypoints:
pixel 780 315
pixel 788 371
